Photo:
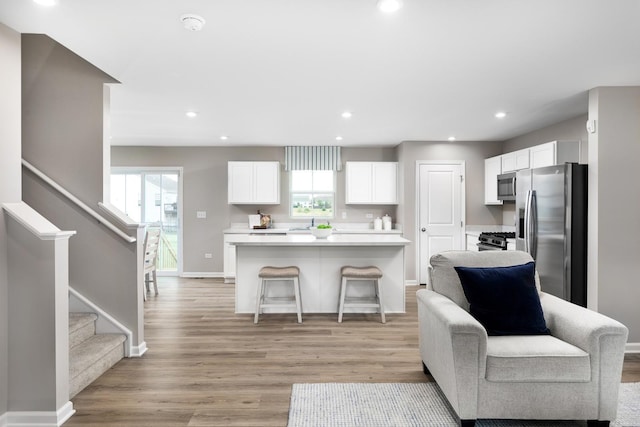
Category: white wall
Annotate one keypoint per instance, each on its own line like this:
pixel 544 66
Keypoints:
pixel 10 174
pixel 614 206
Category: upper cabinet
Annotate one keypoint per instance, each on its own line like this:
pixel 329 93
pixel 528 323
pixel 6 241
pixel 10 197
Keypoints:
pixel 547 154
pixel 254 183
pixel 373 183
pixel 515 160
pixel 492 168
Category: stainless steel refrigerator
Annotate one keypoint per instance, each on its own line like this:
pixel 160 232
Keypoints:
pixel 551 224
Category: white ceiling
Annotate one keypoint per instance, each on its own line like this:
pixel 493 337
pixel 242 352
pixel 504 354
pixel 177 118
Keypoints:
pixel 280 72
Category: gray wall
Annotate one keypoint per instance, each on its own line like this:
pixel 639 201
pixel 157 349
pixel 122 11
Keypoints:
pixel 10 176
pixel 63 110
pixel 614 205
pixel 205 189
pixel 473 153
pixel 568 130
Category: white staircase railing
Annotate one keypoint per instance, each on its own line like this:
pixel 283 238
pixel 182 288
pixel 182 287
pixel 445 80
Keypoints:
pixel 78 202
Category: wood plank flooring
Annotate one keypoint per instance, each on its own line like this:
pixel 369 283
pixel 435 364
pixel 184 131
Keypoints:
pixel 207 366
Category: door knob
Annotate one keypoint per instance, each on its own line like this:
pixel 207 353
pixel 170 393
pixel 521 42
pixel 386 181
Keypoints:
pixel 423 229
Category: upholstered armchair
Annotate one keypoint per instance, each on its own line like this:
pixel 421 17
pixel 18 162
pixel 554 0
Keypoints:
pixel 568 367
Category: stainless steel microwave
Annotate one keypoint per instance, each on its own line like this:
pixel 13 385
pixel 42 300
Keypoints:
pixel 507 186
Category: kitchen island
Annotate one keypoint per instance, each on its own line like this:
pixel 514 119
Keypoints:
pixel 319 261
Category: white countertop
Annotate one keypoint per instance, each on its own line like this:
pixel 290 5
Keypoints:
pixel 297 229
pixel 309 240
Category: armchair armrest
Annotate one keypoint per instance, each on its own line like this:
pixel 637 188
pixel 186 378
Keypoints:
pixel 453 346
pixel 600 336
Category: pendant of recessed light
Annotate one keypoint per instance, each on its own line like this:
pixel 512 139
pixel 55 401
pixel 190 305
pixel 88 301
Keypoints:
pixel 192 22
pixel 389 6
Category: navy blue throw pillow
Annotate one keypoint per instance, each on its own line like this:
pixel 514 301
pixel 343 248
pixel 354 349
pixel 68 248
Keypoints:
pixel 504 299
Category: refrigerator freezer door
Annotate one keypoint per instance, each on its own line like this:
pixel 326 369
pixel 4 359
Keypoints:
pixel 549 241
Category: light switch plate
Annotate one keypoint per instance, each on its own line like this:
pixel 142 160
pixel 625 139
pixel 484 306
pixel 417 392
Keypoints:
pixel 201 214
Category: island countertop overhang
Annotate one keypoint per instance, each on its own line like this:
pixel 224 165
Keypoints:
pixel 309 240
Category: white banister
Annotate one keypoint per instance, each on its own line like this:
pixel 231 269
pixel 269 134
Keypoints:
pixel 34 222
pixel 77 201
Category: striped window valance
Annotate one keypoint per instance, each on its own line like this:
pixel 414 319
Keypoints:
pixel 312 158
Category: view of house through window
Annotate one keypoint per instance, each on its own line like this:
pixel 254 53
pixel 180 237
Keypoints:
pixel 312 194
pixel 151 198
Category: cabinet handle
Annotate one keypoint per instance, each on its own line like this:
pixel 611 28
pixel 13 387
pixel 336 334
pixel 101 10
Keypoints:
pixel 423 229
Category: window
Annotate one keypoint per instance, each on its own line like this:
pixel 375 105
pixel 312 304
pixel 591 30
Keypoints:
pixel 312 194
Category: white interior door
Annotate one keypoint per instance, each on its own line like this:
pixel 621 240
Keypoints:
pixel 440 211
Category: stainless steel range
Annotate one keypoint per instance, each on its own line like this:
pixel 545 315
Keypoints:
pixel 494 240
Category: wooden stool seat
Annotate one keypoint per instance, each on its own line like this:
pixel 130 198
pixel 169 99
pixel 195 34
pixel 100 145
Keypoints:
pixel 360 274
pixel 269 273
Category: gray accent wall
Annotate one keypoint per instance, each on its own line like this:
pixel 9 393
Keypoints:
pixel 473 154
pixel 10 177
pixel 614 205
pixel 205 189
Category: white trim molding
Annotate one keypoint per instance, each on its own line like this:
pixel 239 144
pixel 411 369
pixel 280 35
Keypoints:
pixel 202 275
pixel 138 350
pixel 632 347
pixel 38 418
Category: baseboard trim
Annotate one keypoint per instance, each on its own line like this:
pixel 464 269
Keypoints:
pixel 38 418
pixel 632 347
pixel 138 350
pixel 3 420
pixel 202 275
pixel 411 282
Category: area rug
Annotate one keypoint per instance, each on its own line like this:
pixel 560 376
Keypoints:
pixel 408 405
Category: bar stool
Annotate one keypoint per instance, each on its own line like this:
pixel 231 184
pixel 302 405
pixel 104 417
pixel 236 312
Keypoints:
pixel 360 275
pixel 268 274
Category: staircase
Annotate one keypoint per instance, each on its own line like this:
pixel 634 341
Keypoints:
pixel 90 354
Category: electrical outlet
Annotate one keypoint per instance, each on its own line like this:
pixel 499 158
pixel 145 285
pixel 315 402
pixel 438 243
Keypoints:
pixel 208 256
pixel 201 214
pixel 369 216
pixel 344 214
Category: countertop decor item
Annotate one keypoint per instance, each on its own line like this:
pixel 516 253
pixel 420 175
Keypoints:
pixel 321 231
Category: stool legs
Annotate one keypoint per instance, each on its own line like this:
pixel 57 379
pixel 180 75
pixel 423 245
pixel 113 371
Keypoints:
pixel 378 297
pixel 260 296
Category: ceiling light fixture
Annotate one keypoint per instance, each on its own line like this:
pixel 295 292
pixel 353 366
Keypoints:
pixel 389 6
pixel 501 115
pixel 338 138
pixel 46 2
pixel 451 138
pixel 224 137
pixel 191 114
pixel 347 115
pixel 192 22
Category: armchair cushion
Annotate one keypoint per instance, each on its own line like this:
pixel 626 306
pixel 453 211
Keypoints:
pixel 535 358
pixel 504 299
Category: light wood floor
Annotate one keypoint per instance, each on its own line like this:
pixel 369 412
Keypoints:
pixel 207 366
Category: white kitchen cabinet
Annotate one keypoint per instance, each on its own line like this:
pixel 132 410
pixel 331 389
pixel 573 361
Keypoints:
pixel 229 261
pixel 254 183
pixel 373 183
pixel 543 155
pixel 515 160
pixel 492 168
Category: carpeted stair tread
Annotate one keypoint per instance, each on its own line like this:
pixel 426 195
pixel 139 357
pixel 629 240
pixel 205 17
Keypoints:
pixel 86 356
pixel 81 327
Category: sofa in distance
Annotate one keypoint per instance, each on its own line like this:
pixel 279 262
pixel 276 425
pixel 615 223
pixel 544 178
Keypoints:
pixel 572 374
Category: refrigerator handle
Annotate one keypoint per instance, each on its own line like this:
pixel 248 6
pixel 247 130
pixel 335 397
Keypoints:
pixel 533 223
pixel 527 226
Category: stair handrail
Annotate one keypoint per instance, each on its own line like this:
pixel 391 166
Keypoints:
pixel 77 201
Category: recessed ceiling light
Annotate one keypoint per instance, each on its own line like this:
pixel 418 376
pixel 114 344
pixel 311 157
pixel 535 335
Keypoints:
pixel 224 137
pixel 347 115
pixel 451 138
pixel 192 22
pixel 191 114
pixel 338 138
pixel 501 115
pixel 46 2
pixel 389 6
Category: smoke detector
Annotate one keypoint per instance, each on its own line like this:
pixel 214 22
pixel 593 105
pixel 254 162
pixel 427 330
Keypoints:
pixel 192 22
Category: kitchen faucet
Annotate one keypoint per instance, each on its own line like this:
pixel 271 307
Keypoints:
pixel 312 221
